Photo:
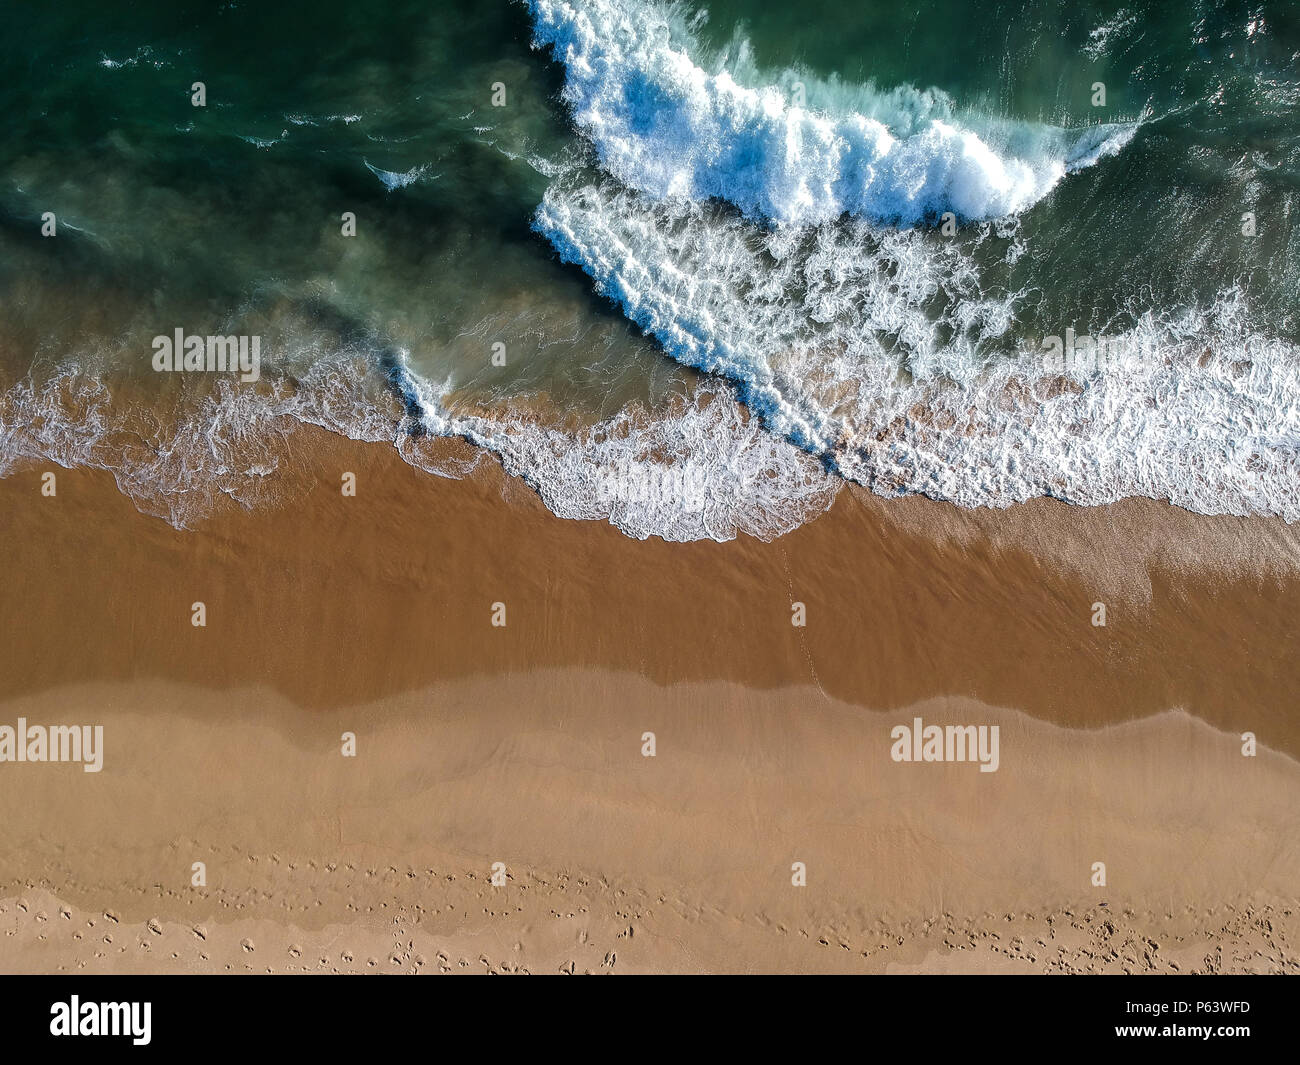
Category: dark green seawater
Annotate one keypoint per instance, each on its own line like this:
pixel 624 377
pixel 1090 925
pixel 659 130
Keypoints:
pixel 612 244
pixel 181 214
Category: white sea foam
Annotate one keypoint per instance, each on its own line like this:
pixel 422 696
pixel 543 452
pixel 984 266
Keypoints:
pixel 665 126
pixel 705 470
pixel 1118 26
pixel 877 351
pixel 702 470
pixel 399 180
pixel 880 352
pixel 885 353
pixel 143 54
pixel 262 142
pixel 225 445
pixel 317 120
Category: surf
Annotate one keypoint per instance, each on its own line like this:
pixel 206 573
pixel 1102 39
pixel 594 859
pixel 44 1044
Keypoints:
pixel 667 127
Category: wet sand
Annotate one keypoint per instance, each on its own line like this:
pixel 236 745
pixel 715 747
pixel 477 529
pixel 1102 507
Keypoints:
pixel 522 744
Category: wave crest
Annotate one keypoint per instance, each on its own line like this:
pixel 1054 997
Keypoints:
pixel 663 125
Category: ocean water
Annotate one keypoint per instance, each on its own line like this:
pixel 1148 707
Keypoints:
pixel 685 268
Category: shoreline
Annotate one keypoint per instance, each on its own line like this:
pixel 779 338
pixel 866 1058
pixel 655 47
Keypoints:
pixel 330 600
pixel 476 743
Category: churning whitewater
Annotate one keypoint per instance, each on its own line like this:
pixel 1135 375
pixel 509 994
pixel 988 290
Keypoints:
pixel 987 292
pixel 666 127
pixel 880 349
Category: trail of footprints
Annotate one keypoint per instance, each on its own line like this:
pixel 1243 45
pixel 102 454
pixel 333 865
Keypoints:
pixel 307 916
pixel 466 907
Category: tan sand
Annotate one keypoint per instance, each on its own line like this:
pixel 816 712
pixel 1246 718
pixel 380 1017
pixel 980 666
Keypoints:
pixel 522 744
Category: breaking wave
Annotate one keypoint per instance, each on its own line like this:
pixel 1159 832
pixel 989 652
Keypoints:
pixel 778 246
pixel 665 126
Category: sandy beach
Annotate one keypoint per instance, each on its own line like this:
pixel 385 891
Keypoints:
pixel 524 743
pixel 650 487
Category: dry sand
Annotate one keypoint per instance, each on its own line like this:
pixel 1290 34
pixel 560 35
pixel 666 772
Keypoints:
pixel 523 744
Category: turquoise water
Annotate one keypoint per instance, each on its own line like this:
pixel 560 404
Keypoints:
pixel 857 222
